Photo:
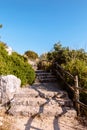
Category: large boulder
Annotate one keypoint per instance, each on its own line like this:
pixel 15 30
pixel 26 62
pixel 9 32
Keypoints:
pixel 9 85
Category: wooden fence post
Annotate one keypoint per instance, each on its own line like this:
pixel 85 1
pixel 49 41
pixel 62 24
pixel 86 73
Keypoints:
pixel 76 95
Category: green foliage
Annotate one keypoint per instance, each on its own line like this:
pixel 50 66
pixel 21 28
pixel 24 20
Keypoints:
pixel 31 55
pixel 17 65
pixel 0 25
pixel 78 67
pixel 74 61
pixel 62 55
pixel 43 56
pixel 59 54
pixel 44 65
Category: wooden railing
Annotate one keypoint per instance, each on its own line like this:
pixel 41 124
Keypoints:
pixel 73 88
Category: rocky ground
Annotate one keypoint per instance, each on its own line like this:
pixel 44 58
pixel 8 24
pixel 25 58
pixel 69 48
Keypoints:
pixel 42 106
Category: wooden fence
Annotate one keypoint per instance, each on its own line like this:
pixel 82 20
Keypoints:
pixel 74 88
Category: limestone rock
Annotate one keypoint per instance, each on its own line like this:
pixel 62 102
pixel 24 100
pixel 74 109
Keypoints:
pixel 9 50
pixel 9 85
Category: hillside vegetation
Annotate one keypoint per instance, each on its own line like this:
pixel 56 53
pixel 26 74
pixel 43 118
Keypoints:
pixel 15 64
pixel 73 61
pixel 31 55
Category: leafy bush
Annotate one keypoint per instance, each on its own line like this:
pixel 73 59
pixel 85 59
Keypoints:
pixel 74 61
pixel 78 67
pixel 17 65
pixel 31 55
pixel 44 65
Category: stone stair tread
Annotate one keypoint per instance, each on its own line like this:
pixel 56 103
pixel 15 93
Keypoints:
pixel 44 76
pixel 26 92
pixel 43 98
pixel 48 79
pixel 47 76
pixel 46 73
pixel 38 70
pixel 40 105
pixel 44 107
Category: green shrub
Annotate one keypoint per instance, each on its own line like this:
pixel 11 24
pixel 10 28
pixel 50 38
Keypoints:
pixel 31 55
pixel 73 61
pixel 78 67
pixel 17 65
pixel 44 65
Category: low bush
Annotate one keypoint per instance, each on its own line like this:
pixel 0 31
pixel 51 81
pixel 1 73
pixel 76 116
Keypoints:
pixel 17 65
pixel 44 65
pixel 73 61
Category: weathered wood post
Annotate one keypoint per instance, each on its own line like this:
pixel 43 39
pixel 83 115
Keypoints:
pixel 76 95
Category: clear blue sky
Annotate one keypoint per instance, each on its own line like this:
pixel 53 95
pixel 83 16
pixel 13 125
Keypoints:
pixel 38 24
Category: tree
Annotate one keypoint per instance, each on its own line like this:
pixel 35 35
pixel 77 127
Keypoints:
pixel 57 46
pixel 31 55
pixel 59 54
pixel 0 25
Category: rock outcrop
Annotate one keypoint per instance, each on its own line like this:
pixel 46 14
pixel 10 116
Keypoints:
pixel 9 85
pixel 9 50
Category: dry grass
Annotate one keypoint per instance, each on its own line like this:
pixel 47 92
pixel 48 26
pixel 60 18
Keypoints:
pixel 7 122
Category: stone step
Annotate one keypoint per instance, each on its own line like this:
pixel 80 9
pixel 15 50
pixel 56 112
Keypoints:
pixel 40 71
pixel 26 92
pixel 44 76
pixel 36 101
pixel 46 90
pixel 47 79
pixel 47 76
pixel 32 106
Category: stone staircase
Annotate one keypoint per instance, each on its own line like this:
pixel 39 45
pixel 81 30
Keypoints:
pixel 45 99
pixel 44 76
pixel 42 98
pixel 45 106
